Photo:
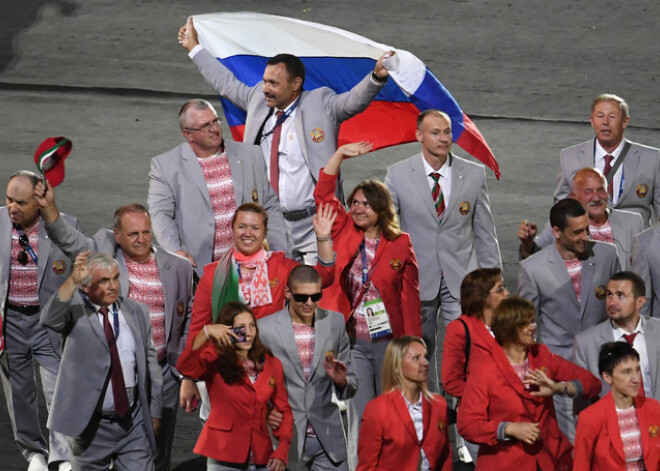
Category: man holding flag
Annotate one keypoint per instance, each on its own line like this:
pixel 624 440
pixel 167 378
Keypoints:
pixel 296 129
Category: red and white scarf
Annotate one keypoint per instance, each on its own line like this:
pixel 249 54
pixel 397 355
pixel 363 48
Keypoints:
pixel 255 289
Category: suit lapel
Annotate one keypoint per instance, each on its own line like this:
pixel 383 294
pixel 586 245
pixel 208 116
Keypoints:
pixel 95 324
pixel 401 408
pixel 300 133
pixel 419 181
pixel 166 275
pixel 320 333
pixel 588 268
pixel 457 180
pixel 5 241
pixel 124 285
pixel 238 174
pixel 288 340
pixel 191 167
pixel 629 165
pixel 44 252
pixel 612 424
pixel 559 271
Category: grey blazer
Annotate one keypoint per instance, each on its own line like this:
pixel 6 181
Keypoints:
pixel 625 226
pixel 85 365
pixel 543 279
pixel 320 110
pixel 180 205
pixel 467 228
pixel 175 275
pixel 588 343
pixel 641 170
pixel 312 399
pixel 646 263
pixel 54 266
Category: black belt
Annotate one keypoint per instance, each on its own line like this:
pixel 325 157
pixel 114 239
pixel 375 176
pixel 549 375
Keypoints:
pixel 299 214
pixel 114 418
pixel 24 309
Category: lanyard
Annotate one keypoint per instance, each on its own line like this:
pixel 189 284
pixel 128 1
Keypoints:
pixel 30 250
pixel 365 267
pixel 281 119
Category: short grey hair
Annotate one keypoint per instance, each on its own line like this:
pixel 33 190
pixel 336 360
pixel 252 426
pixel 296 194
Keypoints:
pixel 197 104
pixel 98 260
pixel 26 175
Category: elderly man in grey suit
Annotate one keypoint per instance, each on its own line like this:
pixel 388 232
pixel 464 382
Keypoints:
pixel 442 202
pixel 566 281
pixel 147 274
pixel 625 299
pixel 314 350
pixel 646 263
pixel 611 225
pixel 297 130
pixel 107 398
pixel 31 270
pixel 632 170
pixel 195 188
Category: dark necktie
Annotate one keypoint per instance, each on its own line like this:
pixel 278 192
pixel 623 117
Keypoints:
pixel 116 374
pixel 606 170
pixel 275 155
pixel 438 196
pixel 630 338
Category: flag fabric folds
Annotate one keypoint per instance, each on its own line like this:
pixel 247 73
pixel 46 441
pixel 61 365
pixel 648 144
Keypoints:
pixel 338 59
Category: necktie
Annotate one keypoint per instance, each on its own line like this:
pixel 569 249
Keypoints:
pixel 116 375
pixel 630 338
pixel 275 156
pixel 438 197
pixel 606 170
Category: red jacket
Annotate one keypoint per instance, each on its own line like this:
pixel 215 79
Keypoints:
pixel 598 444
pixel 237 423
pixel 279 268
pixel 453 356
pixel 395 267
pixel 388 440
pixel 494 394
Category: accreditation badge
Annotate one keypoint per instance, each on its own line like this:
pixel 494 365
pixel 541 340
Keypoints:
pixel 378 321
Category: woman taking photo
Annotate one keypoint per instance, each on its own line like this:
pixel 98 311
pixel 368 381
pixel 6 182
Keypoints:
pixel 621 432
pixel 242 378
pixel 405 428
pixel 376 283
pixel 507 406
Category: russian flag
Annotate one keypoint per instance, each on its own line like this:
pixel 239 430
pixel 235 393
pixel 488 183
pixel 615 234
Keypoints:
pixel 337 59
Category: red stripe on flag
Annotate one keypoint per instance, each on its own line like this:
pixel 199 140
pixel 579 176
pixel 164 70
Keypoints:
pixel 474 143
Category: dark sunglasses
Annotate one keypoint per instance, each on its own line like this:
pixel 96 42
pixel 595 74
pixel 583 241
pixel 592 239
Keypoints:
pixel 23 255
pixel 302 298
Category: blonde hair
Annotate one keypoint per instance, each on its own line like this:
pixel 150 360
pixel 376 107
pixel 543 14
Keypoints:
pixel 393 379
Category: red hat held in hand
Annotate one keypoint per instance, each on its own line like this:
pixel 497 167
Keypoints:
pixel 50 156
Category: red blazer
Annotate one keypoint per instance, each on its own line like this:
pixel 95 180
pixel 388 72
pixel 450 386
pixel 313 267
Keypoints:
pixel 388 440
pixel 453 356
pixel 598 444
pixel 237 422
pixel 494 394
pixel 279 268
pixel 395 267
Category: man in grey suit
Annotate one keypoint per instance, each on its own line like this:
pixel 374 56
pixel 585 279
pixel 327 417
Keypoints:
pixel 446 243
pixel 566 281
pixel 31 270
pixel 195 188
pixel 625 298
pixel 107 398
pixel 646 263
pixel 611 225
pixel 314 350
pixel 304 126
pixel 632 170
pixel 147 274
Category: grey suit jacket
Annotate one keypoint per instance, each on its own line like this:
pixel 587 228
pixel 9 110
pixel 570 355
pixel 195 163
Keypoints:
pixel 175 275
pixel 625 226
pixel 320 109
pixel 54 267
pixel 543 279
pixel 588 343
pixel 641 170
pixel 85 365
pixel 446 247
pixel 180 205
pixel 646 263
pixel 312 399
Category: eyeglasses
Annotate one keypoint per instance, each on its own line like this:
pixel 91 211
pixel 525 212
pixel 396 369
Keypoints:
pixel 23 255
pixel 302 298
pixel 208 126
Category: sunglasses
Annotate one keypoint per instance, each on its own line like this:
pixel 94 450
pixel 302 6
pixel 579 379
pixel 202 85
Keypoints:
pixel 23 255
pixel 302 298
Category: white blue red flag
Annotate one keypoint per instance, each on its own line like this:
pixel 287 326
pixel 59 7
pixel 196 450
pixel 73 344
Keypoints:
pixel 338 59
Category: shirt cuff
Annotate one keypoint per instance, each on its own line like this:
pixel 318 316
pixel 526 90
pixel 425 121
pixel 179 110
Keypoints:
pixel 377 81
pixel 193 52
pixel 501 436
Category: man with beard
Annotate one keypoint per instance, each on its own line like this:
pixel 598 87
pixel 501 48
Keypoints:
pixel 566 281
pixel 611 225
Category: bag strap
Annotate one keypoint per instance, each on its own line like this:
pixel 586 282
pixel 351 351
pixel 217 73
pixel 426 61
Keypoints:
pixel 468 344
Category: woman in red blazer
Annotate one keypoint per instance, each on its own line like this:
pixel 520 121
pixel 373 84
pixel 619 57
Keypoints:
pixel 376 277
pixel 405 428
pixel 507 406
pixel 243 379
pixel 600 441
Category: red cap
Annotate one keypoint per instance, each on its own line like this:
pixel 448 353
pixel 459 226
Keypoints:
pixel 50 156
